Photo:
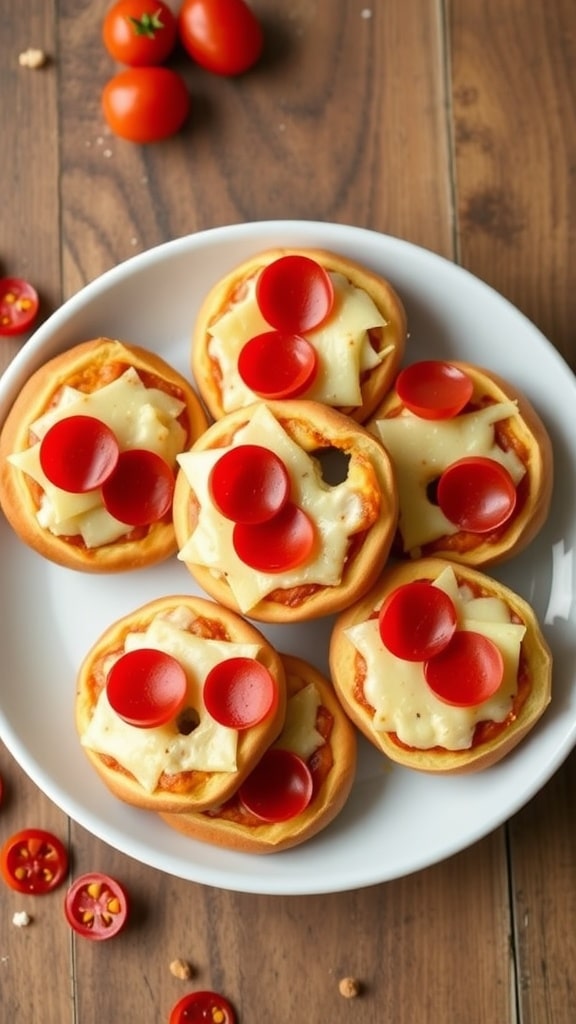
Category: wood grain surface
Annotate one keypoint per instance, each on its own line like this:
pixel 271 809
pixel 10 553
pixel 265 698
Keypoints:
pixel 450 124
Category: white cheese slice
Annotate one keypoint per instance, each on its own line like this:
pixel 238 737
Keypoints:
pixel 422 449
pixel 337 512
pixel 342 343
pixel 397 689
pixel 300 734
pixel 147 753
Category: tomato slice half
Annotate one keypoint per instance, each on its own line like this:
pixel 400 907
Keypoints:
pixel 278 365
pixel 79 453
pixel 146 687
pixel 140 490
pixel 467 672
pixel 202 1008
pixel 477 494
pixel 417 620
pixel 33 861
pixel 249 484
pixel 433 389
pixel 279 787
pixel 294 294
pixel 96 906
pixel 19 304
pixel 278 545
pixel 239 692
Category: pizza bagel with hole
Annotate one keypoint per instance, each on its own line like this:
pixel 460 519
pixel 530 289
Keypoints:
pixel 304 323
pixel 88 456
pixel 441 667
pixel 300 784
pixel 473 461
pixel 285 511
pixel 177 701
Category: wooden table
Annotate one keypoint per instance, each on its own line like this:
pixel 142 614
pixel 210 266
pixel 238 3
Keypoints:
pixel 452 125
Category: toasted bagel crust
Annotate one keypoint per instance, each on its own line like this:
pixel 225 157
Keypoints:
pixel 191 789
pixel 347 668
pixel 313 426
pixel 528 435
pixel 326 804
pixel 375 383
pixel 87 364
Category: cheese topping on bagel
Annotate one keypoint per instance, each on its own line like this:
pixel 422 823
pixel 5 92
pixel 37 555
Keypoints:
pixel 140 417
pixel 422 449
pixel 337 512
pixel 397 689
pixel 147 753
pixel 342 343
pixel 299 733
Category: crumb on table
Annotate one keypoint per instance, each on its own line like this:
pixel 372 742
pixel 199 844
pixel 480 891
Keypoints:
pixel 349 987
pixel 32 58
pixel 21 919
pixel 181 969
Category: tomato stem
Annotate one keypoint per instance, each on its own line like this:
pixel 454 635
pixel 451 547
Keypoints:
pixel 147 24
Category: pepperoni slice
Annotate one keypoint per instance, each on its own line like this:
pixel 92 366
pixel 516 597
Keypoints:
pixel 249 484
pixel 140 490
pixel 19 304
pixel 277 365
pixel 280 544
pixel 467 672
pixel 279 787
pixel 477 494
pixel 416 621
pixel 202 1008
pixel 146 687
pixel 239 692
pixel 78 454
pixel 433 389
pixel 294 294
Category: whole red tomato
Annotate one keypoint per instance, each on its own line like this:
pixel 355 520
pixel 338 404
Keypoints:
pixel 139 32
pixel 145 104
pixel 223 36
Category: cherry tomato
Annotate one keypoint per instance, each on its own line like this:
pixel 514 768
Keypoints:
pixel 146 687
pixel 18 305
pixel 294 294
pixel 477 494
pixel 416 621
pixel 78 453
pixel 239 692
pixel 223 36
pixel 139 32
pixel 145 104
pixel 279 787
pixel 278 545
pixel 467 672
pixel 433 389
pixel 276 365
pixel 249 484
pixel 33 861
pixel 202 1008
pixel 140 489
pixel 96 906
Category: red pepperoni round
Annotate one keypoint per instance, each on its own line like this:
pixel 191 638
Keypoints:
pixel 294 294
pixel 467 672
pixel 249 484
pixel 140 490
pixel 279 787
pixel 280 544
pixel 433 389
pixel 239 692
pixel 278 365
pixel 78 454
pixel 416 621
pixel 146 687
pixel 477 494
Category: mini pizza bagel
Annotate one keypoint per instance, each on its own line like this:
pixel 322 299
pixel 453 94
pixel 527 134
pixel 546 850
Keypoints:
pixel 298 323
pixel 177 701
pixel 260 527
pixel 473 461
pixel 319 740
pixel 88 456
pixel 442 668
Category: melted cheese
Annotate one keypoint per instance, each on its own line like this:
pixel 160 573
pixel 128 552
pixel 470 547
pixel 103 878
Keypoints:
pixel 422 449
pixel 147 753
pixel 342 343
pixel 337 512
pixel 300 734
pixel 140 417
pixel 398 691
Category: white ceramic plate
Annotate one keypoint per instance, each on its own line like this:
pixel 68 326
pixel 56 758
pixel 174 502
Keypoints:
pixel 396 821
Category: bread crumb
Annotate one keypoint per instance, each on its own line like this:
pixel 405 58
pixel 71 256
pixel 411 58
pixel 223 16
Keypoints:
pixel 32 58
pixel 181 969
pixel 349 987
pixel 21 919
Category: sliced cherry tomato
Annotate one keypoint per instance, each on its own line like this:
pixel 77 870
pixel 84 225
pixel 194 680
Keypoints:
pixel 278 545
pixel 96 906
pixel 139 32
pixel 146 687
pixel 249 484
pixel 277 365
pixel 467 672
pixel 279 787
pixel 223 36
pixel 239 692
pixel 433 389
pixel 417 620
pixel 145 104
pixel 294 294
pixel 19 304
pixel 140 490
pixel 79 453
pixel 477 494
pixel 202 1008
pixel 33 861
